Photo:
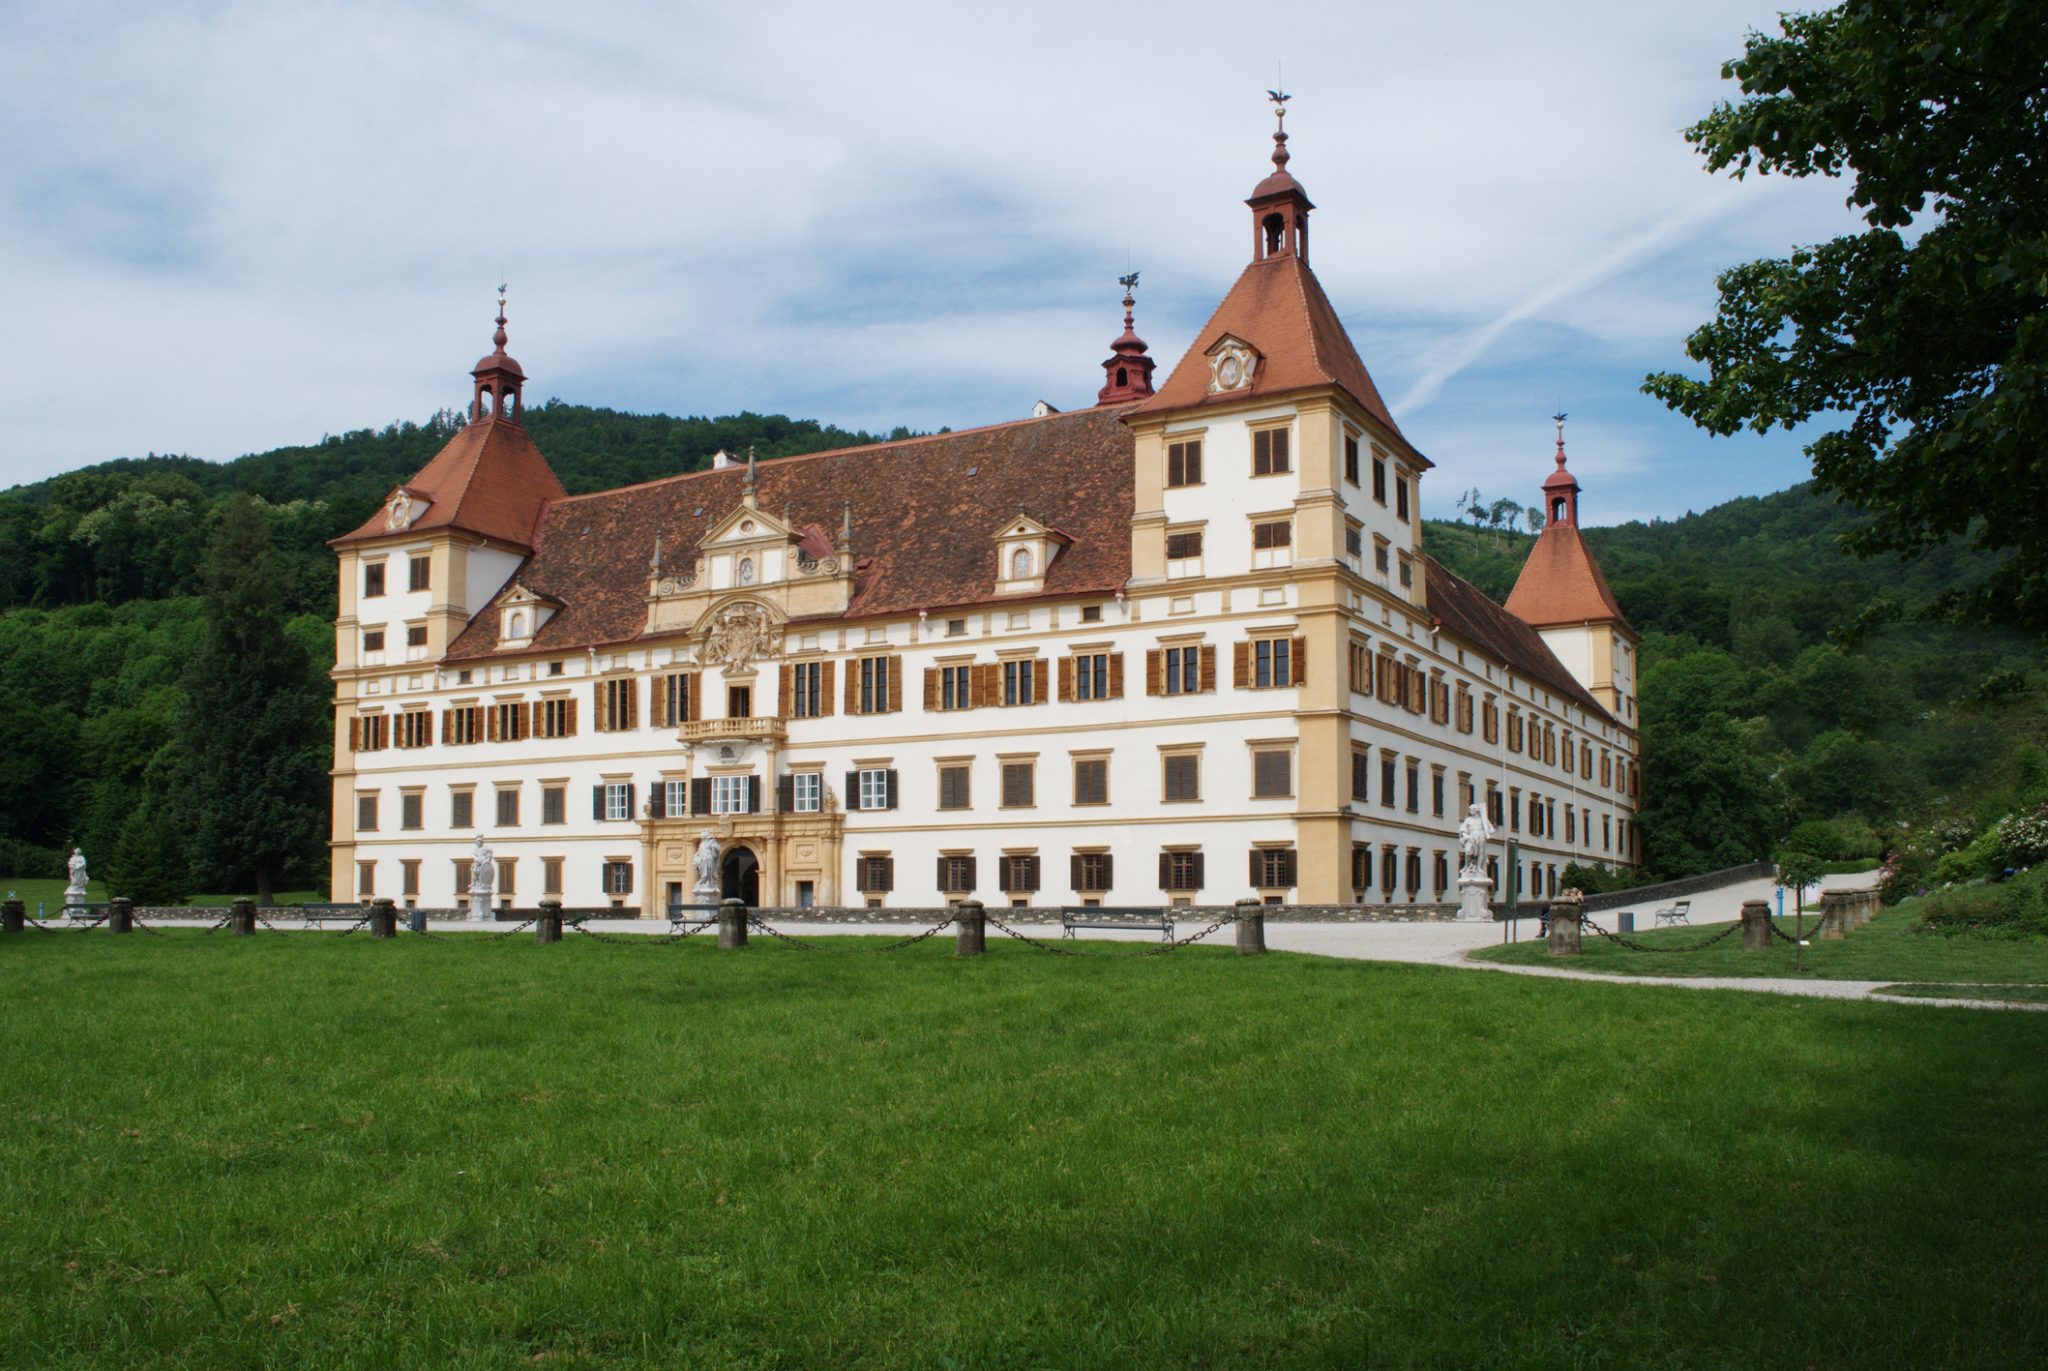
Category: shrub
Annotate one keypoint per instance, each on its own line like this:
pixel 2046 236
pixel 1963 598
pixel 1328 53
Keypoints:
pixel 2016 908
pixel 2021 839
pixel 1836 840
pixel 1599 880
pixel 1980 858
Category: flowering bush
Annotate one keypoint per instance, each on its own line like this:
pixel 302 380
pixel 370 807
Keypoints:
pixel 2022 839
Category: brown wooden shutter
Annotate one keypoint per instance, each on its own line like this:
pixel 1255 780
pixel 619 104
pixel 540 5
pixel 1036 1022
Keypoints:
pixel 570 723
pixel 852 795
pixel 1257 875
pixel 941 882
pixel 783 704
pixel 1287 867
pixel 355 734
pixel 1299 656
pixel 1108 870
pixel 1201 863
pixel 538 713
pixel 785 794
pixel 931 689
pixel 700 795
pixel 1208 667
pixel 631 685
pixel 828 682
pixel 597 802
pixel 1241 665
pixel 693 696
pixel 1040 670
pixel 490 723
pixel 895 682
pixel 1066 678
pixel 1166 871
pixel 1074 871
pixel 982 685
pixel 1155 671
pixel 853 685
pixel 1116 675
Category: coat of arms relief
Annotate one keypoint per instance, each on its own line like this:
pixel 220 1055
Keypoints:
pixel 738 636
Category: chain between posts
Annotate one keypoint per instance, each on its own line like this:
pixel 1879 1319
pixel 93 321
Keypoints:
pixel 1635 946
pixel 810 946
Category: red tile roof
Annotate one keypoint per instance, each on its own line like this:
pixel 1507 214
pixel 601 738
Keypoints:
pixel 1466 612
pixel 1279 308
pixel 490 480
pixel 1561 583
pixel 925 515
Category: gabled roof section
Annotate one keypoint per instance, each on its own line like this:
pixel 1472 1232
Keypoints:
pixel 489 480
pixel 1465 612
pixel 1277 307
pixel 921 512
pixel 1561 584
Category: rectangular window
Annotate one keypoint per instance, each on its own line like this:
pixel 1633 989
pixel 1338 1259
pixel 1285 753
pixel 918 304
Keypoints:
pixel 415 728
pixel 554 717
pixel 1387 796
pixel 956 687
pixel 1091 781
pixel 508 807
pixel 875 788
pixel 507 869
pixel 807 792
pixel 675 698
pixel 1276 533
pixel 1414 872
pixel 956 874
pixel 618 800
pixel 371 733
pixel 463 867
pixel 1019 785
pixel 1181 670
pixel 729 794
pixel 373 640
pixel 1272 663
pixel 877 689
pixel 1092 872
pixel 554 804
pixel 1181 777
pixel 1381 561
pixel 416 635
pixel 1379 479
pixel 1269 452
pixel 1091 676
pixel 1272 773
pixel 1407 571
pixel 1272 868
pixel 1184 463
pixel 806 690
pixel 618 878
pixel 618 704
pixel 1017 873
pixel 1401 498
pixel 551 875
pixel 373 580
pixel 417 573
pixel 675 799
pixel 739 702
pixel 1414 788
pixel 1361 668
pixel 1361 775
pixel 412 811
pixel 1180 872
pixel 409 878
pixel 461 809
pixel 508 721
pixel 1181 547
pixel 366 813
pixel 1019 681
pixel 1436 793
pixel 1351 458
pixel 462 724
pixel 366 872
pixel 1354 545
pixel 953 790
pixel 874 874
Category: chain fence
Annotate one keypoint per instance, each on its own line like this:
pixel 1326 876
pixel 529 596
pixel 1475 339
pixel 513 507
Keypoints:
pixel 1634 946
pixel 1061 950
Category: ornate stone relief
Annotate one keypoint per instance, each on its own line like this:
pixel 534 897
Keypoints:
pixel 738 635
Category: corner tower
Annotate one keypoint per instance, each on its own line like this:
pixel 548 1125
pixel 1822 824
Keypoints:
pixel 1563 596
pixel 1127 375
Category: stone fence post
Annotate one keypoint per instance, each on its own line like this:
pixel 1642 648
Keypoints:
pixel 548 927
pixel 242 919
pixel 1251 926
pixel 1832 909
pixel 1756 926
pixel 732 925
pixel 1564 925
pixel 13 916
pixel 970 928
pixel 383 917
pixel 120 915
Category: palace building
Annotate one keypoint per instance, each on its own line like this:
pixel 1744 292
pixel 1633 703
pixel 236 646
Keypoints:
pixel 1071 659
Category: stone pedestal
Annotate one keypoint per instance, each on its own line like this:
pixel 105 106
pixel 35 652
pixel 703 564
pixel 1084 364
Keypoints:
pixel 548 927
pixel 242 919
pixel 1756 926
pixel 120 915
pixel 732 925
pixel 1251 927
pixel 383 918
pixel 480 910
pixel 1475 899
pixel 970 928
pixel 1832 912
pixel 74 904
pixel 1564 927
pixel 13 915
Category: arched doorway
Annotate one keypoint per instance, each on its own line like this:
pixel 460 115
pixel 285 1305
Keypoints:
pixel 739 876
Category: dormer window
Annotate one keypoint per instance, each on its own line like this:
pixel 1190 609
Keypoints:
pixel 1025 552
pixel 516 628
pixel 522 614
pixel 1020 564
pixel 1232 364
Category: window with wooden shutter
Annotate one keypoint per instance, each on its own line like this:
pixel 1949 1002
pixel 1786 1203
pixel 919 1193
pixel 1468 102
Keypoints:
pixel 953 786
pixel 1272 773
pixel 1184 463
pixel 874 874
pixel 1361 774
pixel 1272 868
pixel 1092 872
pixel 1273 662
pixel 1091 781
pixel 1019 784
pixel 1241 665
pixel 1269 452
pixel 1017 874
pixel 1181 776
pixel 1300 660
pixel 1180 871
pixel 956 874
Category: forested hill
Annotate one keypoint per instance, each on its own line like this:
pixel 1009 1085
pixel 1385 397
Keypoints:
pixel 132 529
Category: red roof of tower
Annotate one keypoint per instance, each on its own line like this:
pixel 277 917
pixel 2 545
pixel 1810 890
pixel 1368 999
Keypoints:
pixel 489 480
pixel 1561 583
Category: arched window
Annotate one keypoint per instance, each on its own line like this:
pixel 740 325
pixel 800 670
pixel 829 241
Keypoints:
pixel 1020 564
pixel 1123 377
pixel 1274 226
pixel 746 571
pixel 1557 510
pixel 519 626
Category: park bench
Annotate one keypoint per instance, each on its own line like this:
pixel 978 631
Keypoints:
pixel 322 914
pixel 1677 914
pixel 1148 918
pixel 680 914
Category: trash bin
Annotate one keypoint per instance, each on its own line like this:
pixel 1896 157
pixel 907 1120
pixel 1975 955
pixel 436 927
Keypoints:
pixel 1627 920
pixel 417 920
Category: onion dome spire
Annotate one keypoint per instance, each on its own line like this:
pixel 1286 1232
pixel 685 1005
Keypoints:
pixel 499 379
pixel 1560 488
pixel 1279 205
pixel 1127 375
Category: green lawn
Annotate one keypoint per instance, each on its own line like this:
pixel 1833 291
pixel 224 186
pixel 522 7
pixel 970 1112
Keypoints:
pixel 2007 994
pixel 51 893
pixel 1882 950
pixel 314 1151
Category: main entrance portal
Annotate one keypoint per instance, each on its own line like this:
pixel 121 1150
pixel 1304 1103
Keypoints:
pixel 739 876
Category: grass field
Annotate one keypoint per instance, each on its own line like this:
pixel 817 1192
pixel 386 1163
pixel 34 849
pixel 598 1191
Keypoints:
pixel 311 1151
pixel 51 894
pixel 2005 994
pixel 1885 949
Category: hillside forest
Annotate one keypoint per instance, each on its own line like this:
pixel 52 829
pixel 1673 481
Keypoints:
pixel 1788 691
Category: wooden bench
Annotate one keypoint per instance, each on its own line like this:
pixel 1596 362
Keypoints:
pixel 680 914
pixel 319 914
pixel 1146 918
pixel 1677 914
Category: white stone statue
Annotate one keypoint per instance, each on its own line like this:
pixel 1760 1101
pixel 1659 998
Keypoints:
pixel 483 872
pixel 74 893
pixel 708 889
pixel 1473 836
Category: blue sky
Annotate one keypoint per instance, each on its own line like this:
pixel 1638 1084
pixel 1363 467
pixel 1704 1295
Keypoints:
pixel 230 226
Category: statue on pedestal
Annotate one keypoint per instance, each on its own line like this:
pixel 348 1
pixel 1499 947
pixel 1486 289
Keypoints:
pixel 707 889
pixel 74 893
pixel 1475 887
pixel 483 871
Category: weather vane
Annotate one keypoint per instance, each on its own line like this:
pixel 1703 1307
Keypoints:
pixel 1129 283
